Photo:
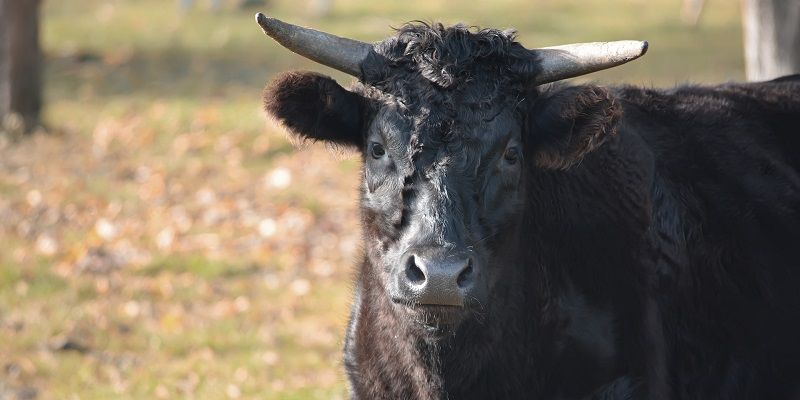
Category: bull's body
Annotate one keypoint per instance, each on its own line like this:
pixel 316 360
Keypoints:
pixel 670 267
pixel 561 242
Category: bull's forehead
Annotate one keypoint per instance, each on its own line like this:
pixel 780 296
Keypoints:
pixel 457 137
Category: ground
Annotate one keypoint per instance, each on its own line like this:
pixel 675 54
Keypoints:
pixel 161 238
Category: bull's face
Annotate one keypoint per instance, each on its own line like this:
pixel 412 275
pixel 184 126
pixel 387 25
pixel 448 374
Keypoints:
pixel 449 124
pixel 436 202
pixel 444 186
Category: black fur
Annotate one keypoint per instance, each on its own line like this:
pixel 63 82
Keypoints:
pixel 575 122
pixel 315 107
pixel 644 246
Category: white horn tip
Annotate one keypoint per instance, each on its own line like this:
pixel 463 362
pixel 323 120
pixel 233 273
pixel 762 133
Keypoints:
pixel 628 49
pixel 644 46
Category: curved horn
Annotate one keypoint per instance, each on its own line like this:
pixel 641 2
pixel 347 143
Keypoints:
pixel 340 53
pixel 550 64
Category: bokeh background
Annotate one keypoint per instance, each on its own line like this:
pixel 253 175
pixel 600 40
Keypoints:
pixel 164 239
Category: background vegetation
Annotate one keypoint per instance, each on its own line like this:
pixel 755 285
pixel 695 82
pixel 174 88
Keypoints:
pixel 165 240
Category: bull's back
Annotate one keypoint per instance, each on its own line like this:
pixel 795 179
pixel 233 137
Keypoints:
pixel 729 155
pixel 727 159
pixel 730 144
pixel 776 105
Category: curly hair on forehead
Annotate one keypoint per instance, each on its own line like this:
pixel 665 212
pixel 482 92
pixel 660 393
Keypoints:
pixel 448 56
pixel 442 77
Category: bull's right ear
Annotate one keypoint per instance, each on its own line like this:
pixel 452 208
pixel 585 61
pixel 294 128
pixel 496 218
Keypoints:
pixel 314 106
pixel 571 122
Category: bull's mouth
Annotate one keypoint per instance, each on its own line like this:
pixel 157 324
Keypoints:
pixel 435 318
pixel 440 316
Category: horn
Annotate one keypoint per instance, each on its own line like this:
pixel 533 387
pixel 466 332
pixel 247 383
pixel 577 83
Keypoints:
pixel 340 53
pixel 550 64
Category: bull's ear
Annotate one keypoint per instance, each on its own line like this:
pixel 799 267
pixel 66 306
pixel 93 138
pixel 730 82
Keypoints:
pixel 569 123
pixel 314 106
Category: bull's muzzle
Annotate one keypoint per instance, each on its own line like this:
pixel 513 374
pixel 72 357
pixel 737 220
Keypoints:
pixel 430 278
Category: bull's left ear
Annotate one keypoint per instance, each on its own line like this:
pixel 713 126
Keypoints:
pixel 569 123
pixel 313 106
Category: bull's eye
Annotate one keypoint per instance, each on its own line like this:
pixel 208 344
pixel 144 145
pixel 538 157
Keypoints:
pixel 377 150
pixel 511 155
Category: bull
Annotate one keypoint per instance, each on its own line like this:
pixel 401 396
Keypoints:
pixel 524 238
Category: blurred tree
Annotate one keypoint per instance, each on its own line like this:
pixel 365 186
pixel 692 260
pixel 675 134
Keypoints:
pixel 771 38
pixel 20 65
pixel 320 8
pixel 691 11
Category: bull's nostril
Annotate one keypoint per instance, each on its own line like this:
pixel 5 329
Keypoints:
pixel 465 277
pixel 413 272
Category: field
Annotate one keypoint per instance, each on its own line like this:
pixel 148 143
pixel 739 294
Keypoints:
pixel 161 238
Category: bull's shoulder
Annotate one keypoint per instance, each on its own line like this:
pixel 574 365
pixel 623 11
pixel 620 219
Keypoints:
pixel 730 151
pixel 760 119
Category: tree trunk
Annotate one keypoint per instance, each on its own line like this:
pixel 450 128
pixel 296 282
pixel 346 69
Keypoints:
pixel 771 38
pixel 20 65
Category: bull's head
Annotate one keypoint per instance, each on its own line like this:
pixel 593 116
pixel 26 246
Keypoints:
pixel 450 123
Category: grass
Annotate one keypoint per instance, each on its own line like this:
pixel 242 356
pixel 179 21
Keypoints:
pixel 149 248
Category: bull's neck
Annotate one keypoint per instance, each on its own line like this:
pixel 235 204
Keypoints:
pixel 384 355
pixel 389 356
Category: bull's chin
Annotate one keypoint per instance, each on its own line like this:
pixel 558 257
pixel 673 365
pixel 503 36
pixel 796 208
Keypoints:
pixel 434 319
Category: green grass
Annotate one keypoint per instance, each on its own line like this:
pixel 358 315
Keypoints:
pixel 225 285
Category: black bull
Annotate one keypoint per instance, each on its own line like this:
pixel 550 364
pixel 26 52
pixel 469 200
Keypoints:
pixel 560 242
